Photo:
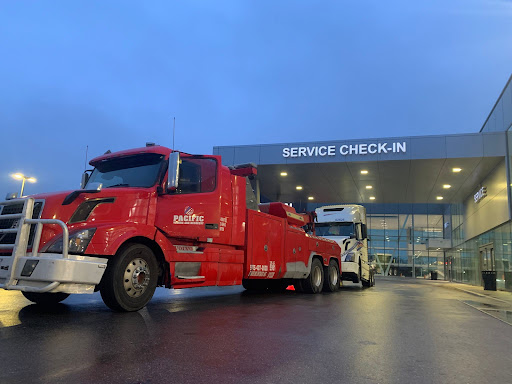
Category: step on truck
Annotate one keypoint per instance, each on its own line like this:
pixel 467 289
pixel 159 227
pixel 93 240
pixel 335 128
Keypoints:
pixel 346 224
pixel 151 217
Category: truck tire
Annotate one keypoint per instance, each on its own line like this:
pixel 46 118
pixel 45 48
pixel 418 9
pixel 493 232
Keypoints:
pixel 45 298
pixel 365 283
pixel 130 279
pixel 297 284
pixel 331 277
pixel 315 281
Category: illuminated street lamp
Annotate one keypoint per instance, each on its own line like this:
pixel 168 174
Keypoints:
pixel 23 178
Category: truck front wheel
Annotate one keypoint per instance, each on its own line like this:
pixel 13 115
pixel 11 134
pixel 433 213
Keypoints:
pixel 315 281
pixel 130 279
pixel 45 298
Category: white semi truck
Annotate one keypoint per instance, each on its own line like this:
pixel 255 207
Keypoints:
pixel 346 224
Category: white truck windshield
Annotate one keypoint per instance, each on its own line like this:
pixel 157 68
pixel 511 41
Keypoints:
pixel 335 229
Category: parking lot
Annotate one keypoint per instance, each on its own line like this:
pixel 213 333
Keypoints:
pixel 400 331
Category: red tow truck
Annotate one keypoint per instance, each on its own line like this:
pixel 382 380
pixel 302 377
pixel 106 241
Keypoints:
pixel 151 217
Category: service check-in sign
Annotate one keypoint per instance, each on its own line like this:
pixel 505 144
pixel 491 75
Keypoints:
pixel 480 195
pixel 346 149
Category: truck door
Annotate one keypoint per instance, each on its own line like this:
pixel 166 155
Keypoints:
pixel 193 210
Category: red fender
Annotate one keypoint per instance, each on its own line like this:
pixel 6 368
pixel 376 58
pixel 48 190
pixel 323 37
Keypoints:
pixel 107 239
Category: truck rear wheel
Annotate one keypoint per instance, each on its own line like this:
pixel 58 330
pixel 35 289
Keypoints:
pixel 331 277
pixel 130 279
pixel 45 298
pixel 315 281
pixel 297 284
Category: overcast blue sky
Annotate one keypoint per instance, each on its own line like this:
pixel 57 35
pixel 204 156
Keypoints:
pixel 112 74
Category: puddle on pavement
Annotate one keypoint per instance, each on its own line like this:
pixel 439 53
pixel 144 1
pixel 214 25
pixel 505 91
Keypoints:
pixel 480 305
pixel 493 310
pixel 502 314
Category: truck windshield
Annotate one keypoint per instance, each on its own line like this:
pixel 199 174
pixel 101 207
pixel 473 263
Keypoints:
pixel 128 171
pixel 335 229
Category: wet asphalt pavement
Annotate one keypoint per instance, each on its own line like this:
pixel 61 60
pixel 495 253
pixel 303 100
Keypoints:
pixel 400 331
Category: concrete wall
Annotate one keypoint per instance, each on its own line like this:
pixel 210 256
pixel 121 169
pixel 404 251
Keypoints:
pixel 492 210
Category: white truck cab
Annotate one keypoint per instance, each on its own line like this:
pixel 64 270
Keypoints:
pixel 346 224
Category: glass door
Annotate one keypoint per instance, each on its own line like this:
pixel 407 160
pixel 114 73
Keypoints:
pixel 487 262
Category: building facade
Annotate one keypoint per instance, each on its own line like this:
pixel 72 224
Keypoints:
pixel 434 203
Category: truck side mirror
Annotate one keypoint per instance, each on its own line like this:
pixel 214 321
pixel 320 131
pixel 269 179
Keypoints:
pixel 85 179
pixel 364 230
pixel 173 173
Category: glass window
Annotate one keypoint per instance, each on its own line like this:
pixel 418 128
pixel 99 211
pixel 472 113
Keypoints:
pixel 335 229
pixel 435 226
pixel 197 175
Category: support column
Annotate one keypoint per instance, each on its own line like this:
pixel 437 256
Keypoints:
pixel 413 248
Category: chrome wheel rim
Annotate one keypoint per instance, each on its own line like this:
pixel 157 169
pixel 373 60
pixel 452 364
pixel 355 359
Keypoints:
pixel 333 276
pixel 317 277
pixel 136 277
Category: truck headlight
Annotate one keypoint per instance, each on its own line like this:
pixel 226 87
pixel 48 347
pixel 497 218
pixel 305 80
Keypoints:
pixel 78 242
pixel 349 256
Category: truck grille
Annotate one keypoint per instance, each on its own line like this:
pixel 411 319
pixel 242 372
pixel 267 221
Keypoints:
pixel 10 238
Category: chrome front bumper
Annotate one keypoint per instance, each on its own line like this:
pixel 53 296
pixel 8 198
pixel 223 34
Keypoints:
pixel 44 272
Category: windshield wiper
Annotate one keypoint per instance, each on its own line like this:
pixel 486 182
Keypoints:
pixel 118 185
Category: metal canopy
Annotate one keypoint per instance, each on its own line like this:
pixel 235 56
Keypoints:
pixel 395 181
pixel 400 170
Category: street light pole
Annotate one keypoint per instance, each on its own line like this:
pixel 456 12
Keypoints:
pixel 23 178
pixel 22 186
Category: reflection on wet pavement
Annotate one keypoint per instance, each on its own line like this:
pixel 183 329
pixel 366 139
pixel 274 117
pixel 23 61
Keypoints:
pixel 497 311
